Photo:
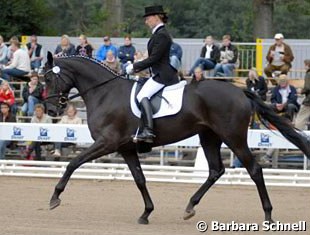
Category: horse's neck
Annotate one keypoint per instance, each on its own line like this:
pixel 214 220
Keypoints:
pixel 107 94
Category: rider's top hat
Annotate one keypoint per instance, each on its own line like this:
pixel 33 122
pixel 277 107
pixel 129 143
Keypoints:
pixel 154 10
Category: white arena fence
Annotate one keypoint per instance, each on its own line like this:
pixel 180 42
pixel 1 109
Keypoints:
pixel 81 134
pixel 174 174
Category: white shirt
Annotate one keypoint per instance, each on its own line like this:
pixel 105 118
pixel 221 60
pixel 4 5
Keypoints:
pixel 279 51
pixel 156 27
pixel 20 61
pixel 285 93
pixel 208 51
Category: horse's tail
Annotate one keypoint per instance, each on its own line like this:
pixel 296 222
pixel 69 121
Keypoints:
pixel 286 128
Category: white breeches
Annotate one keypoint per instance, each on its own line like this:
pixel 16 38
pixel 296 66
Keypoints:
pixel 149 89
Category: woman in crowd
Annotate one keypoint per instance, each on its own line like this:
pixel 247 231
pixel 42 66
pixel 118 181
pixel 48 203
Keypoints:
pixel 257 84
pixel 32 95
pixel 84 49
pixel 65 48
pixel 71 117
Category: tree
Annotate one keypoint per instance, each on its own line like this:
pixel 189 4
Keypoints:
pixel 23 17
pixel 263 18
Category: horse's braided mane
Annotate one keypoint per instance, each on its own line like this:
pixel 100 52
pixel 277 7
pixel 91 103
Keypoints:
pixel 91 60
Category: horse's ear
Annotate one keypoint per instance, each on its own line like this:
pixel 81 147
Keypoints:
pixel 50 59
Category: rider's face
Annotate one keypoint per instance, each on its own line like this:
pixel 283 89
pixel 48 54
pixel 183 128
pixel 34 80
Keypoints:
pixel 151 21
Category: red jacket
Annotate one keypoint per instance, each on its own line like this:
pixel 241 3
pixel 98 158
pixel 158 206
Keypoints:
pixel 7 97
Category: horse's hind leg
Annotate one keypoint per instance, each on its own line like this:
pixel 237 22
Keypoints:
pixel 133 163
pixel 241 149
pixel 211 144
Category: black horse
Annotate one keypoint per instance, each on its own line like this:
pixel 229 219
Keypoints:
pixel 217 111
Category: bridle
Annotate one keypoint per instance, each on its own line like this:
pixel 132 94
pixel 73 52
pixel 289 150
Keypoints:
pixel 62 98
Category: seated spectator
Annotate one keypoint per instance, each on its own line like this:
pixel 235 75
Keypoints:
pixel 209 55
pixel 84 49
pixel 20 65
pixel 3 52
pixel 107 46
pixel 71 117
pixel 304 113
pixel 279 57
pixel 32 95
pixel 126 53
pixel 65 48
pixel 5 116
pixel 139 56
pixel 198 75
pixel 284 98
pixel 39 117
pixel 112 62
pixel 35 52
pixel 10 52
pixel 175 56
pixel 257 84
pixel 228 59
pixel 7 94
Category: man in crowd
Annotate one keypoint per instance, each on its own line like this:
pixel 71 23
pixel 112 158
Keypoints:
pixel 228 59
pixel 20 65
pixel 279 56
pixel 284 98
pixel 35 52
pixel 209 55
pixel 107 46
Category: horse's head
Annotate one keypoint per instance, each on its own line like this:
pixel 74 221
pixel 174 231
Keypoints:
pixel 58 85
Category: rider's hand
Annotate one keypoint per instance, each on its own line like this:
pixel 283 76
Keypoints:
pixel 129 69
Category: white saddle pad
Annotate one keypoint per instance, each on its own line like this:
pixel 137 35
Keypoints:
pixel 174 95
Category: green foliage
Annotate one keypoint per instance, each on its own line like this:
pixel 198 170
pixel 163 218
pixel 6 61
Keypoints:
pixel 292 18
pixel 187 18
pixel 22 17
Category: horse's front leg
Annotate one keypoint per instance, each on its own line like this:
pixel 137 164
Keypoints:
pixel 98 149
pixel 133 163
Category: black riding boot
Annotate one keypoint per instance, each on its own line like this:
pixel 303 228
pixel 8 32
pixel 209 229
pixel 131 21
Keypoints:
pixel 147 119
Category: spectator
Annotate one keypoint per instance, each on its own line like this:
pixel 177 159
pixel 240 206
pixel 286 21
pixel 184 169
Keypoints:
pixel 257 84
pixel 72 118
pixel 84 49
pixel 107 46
pixel 10 53
pixel 20 65
pixel 39 117
pixel 284 98
pixel 279 56
pixel 175 55
pixel 228 59
pixel 65 48
pixel 209 55
pixel 32 95
pixel 3 52
pixel 5 116
pixel 198 75
pixel 7 94
pixel 126 53
pixel 139 56
pixel 35 52
pixel 112 62
pixel 304 113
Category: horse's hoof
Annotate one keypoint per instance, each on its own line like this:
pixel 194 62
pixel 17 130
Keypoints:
pixel 143 221
pixel 271 221
pixel 189 214
pixel 54 203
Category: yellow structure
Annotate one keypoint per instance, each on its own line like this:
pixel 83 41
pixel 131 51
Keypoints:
pixel 259 56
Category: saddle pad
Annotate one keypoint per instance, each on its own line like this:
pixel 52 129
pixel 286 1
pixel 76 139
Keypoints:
pixel 173 94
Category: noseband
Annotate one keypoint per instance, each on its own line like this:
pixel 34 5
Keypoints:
pixel 62 99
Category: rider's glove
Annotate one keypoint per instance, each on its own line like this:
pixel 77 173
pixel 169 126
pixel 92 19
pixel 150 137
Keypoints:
pixel 129 69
